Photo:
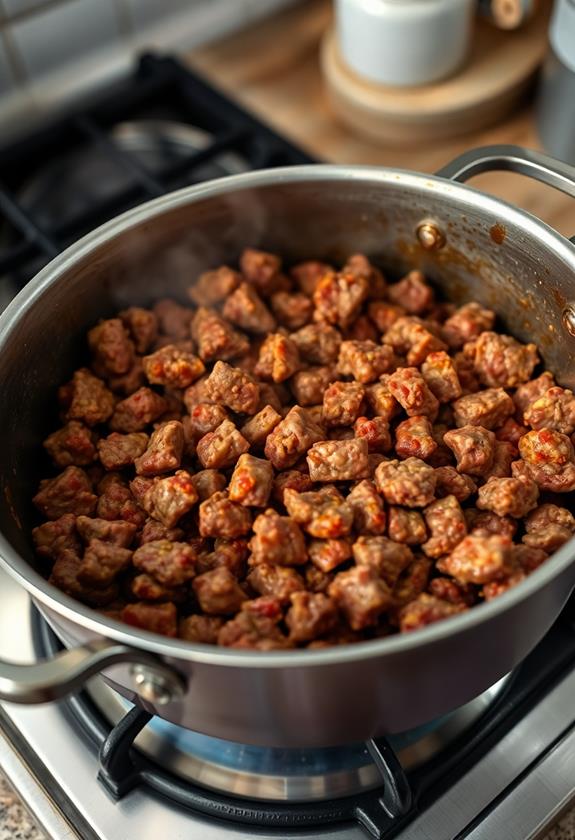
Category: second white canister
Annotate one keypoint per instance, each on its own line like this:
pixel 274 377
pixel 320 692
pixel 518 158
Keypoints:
pixel 404 42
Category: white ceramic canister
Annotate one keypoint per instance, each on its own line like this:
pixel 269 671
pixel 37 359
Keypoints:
pixel 404 42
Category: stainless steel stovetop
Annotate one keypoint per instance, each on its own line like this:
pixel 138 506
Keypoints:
pixel 519 787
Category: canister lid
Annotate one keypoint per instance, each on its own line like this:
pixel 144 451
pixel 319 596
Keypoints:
pixel 562 32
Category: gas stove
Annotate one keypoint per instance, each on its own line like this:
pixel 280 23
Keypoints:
pixel 97 768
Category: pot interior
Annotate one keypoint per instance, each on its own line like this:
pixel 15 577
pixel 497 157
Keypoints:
pixel 503 258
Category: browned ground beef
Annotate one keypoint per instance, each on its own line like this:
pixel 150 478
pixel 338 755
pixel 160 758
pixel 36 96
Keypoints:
pixel 303 458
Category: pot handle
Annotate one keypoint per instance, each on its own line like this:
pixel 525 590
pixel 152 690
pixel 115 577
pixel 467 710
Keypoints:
pixel 68 671
pixel 528 162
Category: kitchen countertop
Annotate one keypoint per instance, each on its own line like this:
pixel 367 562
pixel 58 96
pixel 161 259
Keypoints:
pixel 273 68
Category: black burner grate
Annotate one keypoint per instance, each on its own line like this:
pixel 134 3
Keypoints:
pixel 122 767
pixel 159 89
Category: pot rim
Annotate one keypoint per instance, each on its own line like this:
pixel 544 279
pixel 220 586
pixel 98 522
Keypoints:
pixel 101 625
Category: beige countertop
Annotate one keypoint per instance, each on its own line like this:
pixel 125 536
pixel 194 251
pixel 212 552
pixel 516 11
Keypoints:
pixel 273 68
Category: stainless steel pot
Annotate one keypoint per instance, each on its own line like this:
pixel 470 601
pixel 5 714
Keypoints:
pixel 474 246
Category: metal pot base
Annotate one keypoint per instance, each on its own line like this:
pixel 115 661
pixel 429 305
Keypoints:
pixel 286 775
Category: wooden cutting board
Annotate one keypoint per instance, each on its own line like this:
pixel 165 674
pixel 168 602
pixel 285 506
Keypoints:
pixel 498 75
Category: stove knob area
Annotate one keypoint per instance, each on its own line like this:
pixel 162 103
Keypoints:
pixel 156 687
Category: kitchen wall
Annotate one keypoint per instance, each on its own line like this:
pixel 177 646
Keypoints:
pixel 51 49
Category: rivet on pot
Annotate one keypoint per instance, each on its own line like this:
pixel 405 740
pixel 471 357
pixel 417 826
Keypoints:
pixel 568 318
pixel 430 236
pixel 155 687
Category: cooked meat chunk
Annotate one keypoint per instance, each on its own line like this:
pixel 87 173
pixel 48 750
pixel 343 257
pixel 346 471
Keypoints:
pixel 292 438
pixel 214 286
pixel 412 337
pixel 156 618
pixel 204 418
pixel 479 559
pixel 52 538
pixel 548 527
pixel 278 359
pixel 473 447
pixel 154 530
pixel 171 563
pixel 293 479
pixel 510 432
pixel 452 483
pixel 342 403
pixel 467 323
pixel 365 361
pixel 310 616
pixel 251 482
pixel 245 308
pixel 255 627
pixel 406 526
pixel 360 265
pixel 338 460
pixel 554 410
pixel 102 563
pixel 323 515
pixel 258 427
pixel 292 311
pixel 501 361
pixel 441 377
pixel 168 499
pixel 327 555
pixel 164 451
pixel 338 297
pixel 142 324
pixel 222 447
pixel 384 315
pixel 508 496
pixel 216 338
pixel 426 609
pixel 409 483
pixel 368 509
pixel 489 408
pixel 200 628
pixel 318 344
pixel 412 292
pixel 220 517
pixel 137 411
pixel 69 492
pixel 117 451
pixel 455 593
pixel 532 391
pixel 278 581
pixel 72 445
pixel 117 532
pixel 86 398
pixel 64 575
pixel 127 383
pixel 308 274
pixel 381 400
pixel 261 269
pixel 446 524
pixel 489 523
pixel 361 595
pixel 117 501
pixel 309 385
pixel 218 592
pixel 232 387
pixel 549 459
pixel 386 557
pixel 111 346
pixel 413 438
pixel 208 482
pixel 278 540
pixel 410 390
pixel 412 581
pixel 172 367
pixel 146 588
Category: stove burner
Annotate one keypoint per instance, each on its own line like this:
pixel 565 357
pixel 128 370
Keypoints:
pixel 277 774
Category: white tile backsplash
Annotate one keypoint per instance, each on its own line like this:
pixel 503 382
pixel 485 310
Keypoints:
pixel 65 33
